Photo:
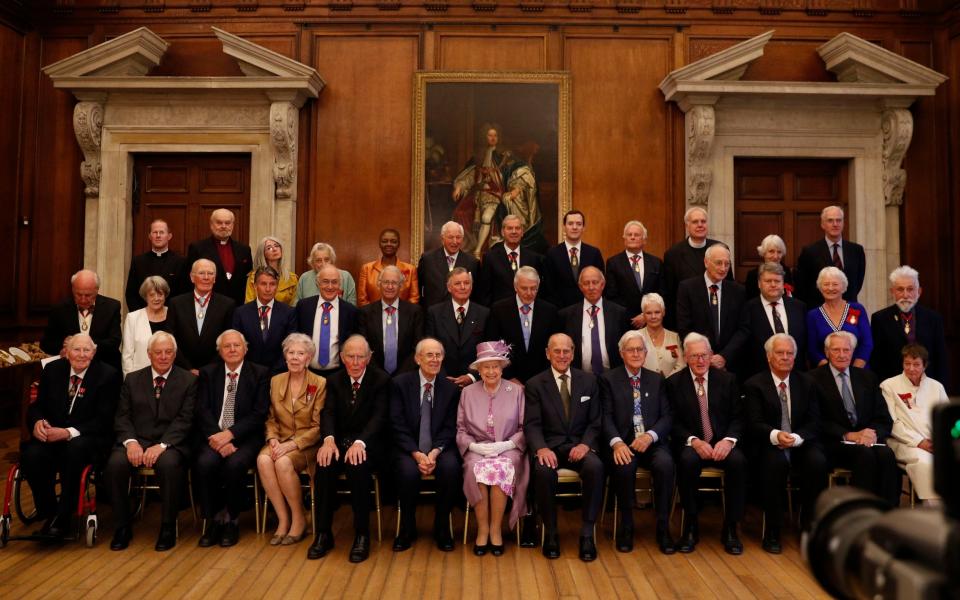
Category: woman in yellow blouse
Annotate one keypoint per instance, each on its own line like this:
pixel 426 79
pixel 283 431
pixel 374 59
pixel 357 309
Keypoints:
pixel 293 436
pixel 368 291
pixel 270 254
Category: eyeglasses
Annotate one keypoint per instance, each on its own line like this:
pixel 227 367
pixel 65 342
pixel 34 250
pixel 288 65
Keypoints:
pixel 634 350
pixel 698 357
pixel 272 247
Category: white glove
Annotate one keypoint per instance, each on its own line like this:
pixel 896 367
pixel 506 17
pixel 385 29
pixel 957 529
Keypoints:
pixel 481 448
pixel 504 446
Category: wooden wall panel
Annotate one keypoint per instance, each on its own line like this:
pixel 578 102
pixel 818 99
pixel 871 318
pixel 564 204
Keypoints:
pixel 491 52
pixel 361 146
pixel 11 75
pixel 621 144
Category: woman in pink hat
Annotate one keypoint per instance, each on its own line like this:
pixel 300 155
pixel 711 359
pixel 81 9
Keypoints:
pixel 490 438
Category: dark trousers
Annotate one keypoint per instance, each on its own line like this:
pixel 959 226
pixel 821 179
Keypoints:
pixel 658 460
pixel 590 469
pixel 874 469
pixel 734 466
pixel 170 471
pixel 809 466
pixel 41 461
pixel 359 482
pixel 222 482
pixel 448 484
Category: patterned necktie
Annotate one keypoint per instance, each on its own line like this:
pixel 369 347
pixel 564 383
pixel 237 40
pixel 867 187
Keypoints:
pixel 846 394
pixel 784 409
pixel 715 308
pixel 565 396
pixel 777 323
pixel 72 392
pixel 461 315
pixel 525 325
pixel 574 263
pixel 513 260
pixel 264 321
pixel 356 389
pixel 390 341
pixel 158 383
pixel 229 404
pixel 323 352
pixel 451 261
pixel 425 441
pixel 638 427
pixel 596 353
pixel 908 329
pixel 635 259
pixel 704 411
pixel 837 261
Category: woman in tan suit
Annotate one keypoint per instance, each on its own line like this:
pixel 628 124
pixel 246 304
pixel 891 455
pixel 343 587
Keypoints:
pixel 293 436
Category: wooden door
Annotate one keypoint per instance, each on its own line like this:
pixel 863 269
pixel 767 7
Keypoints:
pixel 783 197
pixel 183 189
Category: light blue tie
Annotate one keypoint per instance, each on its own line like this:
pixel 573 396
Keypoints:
pixel 323 353
pixel 525 325
pixel 390 341
pixel 849 404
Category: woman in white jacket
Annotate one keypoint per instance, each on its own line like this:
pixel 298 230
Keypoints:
pixel 143 323
pixel 910 398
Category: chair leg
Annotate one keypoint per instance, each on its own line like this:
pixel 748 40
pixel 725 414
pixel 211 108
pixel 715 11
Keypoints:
pixel 603 506
pixel 193 506
pixel 466 522
pixel 376 504
pixel 397 533
pixel 616 509
pixel 256 503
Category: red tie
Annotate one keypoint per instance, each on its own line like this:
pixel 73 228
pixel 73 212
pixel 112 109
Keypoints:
pixel 837 261
pixel 461 315
pixel 356 388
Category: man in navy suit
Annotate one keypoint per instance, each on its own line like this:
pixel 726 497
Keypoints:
pixel 328 320
pixel 771 312
pixel 86 312
pixel 563 262
pixel 637 420
pixel 831 251
pixel 265 323
pixel 707 427
pixel 392 326
pixel 72 427
pixel 232 258
pixel 633 273
pixel 525 323
pixel 502 261
pixel 196 318
pixel 684 259
pixel 905 321
pixel 562 428
pixel 435 266
pixel 233 399
pixel 710 304
pixel 783 423
pixel 423 412
pixel 596 323
pixel 459 324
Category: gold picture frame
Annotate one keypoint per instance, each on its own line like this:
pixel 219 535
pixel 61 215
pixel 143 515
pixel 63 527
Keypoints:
pixel 530 159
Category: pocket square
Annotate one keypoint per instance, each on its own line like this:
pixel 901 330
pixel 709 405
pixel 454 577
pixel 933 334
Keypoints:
pixel 584 398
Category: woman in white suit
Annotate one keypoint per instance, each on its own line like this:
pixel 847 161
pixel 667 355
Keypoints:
pixel 143 323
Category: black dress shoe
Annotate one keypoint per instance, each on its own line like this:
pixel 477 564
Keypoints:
pixel 167 538
pixel 57 527
pixel 551 545
pixel 625 538
pixel 212 535
pixel 230 535
pixel 588 549
pixel 665 541
pixel 444 541
pixel 360 549
pixel 689 539
pixel 731 541
pixel 480 549
pixel 496 550
pixel 771 543
pixel 528 532
pixel 121 538
pixel 322 544
pixel 402 542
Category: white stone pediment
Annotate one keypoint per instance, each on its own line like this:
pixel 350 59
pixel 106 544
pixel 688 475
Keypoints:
pixel 726 65
pixel 132 54
pixel 853 59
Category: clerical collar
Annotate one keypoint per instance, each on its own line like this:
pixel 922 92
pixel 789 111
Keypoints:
pixel 160 253
pixel 223 242
pixel 696 244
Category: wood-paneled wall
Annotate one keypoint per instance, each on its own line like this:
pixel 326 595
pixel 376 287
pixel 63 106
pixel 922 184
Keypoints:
pixel 627 146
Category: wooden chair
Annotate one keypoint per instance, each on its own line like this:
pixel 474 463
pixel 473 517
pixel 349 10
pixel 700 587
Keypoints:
pixel 642 475
pixel 144 480
pixel 712 474
pixel 376 501
pixel 306 483
pixel 427 492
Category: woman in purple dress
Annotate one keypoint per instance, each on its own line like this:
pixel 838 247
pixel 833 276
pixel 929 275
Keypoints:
pixel 836 314
pixel 490 438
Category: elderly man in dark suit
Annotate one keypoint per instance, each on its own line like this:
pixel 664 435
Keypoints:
pixel 159 260
pixel 782 408
pixel 72 427
pixel 831 251
pixel 459 324
pixel 87 312
pixel 637 420
pixel 232 258
pixel 855 420
pixel 265 323
pixel 198 317
pixel 596 324
pixel 562 427
pixel 435 266
pixel 769 313
pixel 564 262
pixel 710 305
pixel 502 261
pixel 391 325
pixel 353 425
pixel 707 426
pixel 904 322
pixel 153 424
pixel 525 322
pixel 633 273
pixel 328 320
pixel 423 412
pixel 232 404
pixel 684 259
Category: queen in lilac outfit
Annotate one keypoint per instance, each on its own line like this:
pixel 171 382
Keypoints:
pixel 490 438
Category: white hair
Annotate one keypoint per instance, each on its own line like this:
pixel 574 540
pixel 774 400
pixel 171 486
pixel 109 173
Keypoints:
pixel 828 272
pixel 228 331
pixel 844 335
pixel 161 336
pixel 635 223
pixel 692 338
pixel 629 336
pixel 778 337
pixel 527 272
pixel 691 210
pixel 904 272
pixel 771 241
pixel 653 298
pixel 446 227
pixel 96 278
pixel 823 213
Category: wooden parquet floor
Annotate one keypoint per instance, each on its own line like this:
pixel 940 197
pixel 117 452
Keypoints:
pixel 253 569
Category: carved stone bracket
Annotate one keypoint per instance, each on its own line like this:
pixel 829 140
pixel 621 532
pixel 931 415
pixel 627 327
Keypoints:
pixel 897 127
pixel 700 122
pixel 87 126
pixel 284 127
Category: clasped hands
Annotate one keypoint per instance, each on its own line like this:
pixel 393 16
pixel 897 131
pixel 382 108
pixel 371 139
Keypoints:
pixel 490 449
pixel 717 452
pixel 864 437
pixel 548 458
pixel 139 457
pixel 623 454
pixel 222 443
pixel 427 463
pixel 356 454
pixel 45 432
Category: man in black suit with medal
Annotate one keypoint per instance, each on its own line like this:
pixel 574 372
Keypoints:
pixel 392 326
pixel 632 273
pixel 596 323
pixel 328 319
pixel 233 259
pixel 87 312
pixel 196 318
pixel 502 261
pixel 265 323
pixel 435 266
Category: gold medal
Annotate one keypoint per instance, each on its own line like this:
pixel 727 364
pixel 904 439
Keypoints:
pixel 591 324
pixel 853 319
pixel 389 320
pixel 326 320
pixel 906 328
pixel 526 323
pixel 84 326
pixel 636 393
pixel 200 314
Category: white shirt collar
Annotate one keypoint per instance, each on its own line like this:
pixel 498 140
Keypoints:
pixel 569 245
pixel 270 304
pixel 466 306
pixel 158 374
pixel 709 282
pixel 424 380
pixel 587 304
pixel 358 379
pixel 777 381
pixel 447 255
pixel 557 374
pixel 520 302
pixel 830 243
pixel 228 371
pixel 706 376
pixel 630 255
pixel 83 373
pixel 335 303
pixel 395 304
pixel 507 250
pixel 632 375
pixel 767 303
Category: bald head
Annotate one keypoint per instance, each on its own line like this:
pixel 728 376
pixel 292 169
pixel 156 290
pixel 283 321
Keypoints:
pixel 221 224
pixel 591 284
pixel 328 281
pixel 85 285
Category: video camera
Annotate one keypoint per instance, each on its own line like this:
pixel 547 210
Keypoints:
pixel 858 548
